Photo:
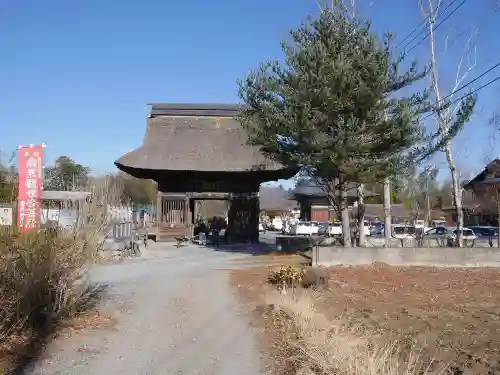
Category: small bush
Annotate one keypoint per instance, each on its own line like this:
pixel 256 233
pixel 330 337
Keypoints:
pixel 314 278
pixel 288 276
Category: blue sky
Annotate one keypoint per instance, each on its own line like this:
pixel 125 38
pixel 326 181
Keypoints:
pixel 78 74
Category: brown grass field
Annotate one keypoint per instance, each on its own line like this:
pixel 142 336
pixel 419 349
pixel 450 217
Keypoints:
pixel 444 321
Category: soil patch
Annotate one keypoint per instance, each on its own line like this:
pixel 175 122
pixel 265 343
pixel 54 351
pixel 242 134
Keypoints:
pixel 450 316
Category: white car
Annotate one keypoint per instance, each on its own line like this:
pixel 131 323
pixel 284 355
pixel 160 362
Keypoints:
pixel 313 228
pixel 419 224
pixel 401 231
pixel 367 228
pixel 468 235
pixel 301 228
pixel 277 224
pixel 335 229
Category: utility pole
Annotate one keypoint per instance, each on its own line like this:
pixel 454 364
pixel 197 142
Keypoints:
pixel 387 212
pixel 387 206
pixel 427 200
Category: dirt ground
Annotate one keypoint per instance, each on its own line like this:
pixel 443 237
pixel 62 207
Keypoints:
pixel 450 316
pixel 16 347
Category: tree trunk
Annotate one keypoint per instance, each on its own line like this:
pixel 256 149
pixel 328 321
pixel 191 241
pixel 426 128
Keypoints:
pixel 344 214
pixel 457 194
pixel 361 216
pixel 498 217
pixel 387 212
pixel 444 127
pixel 428 213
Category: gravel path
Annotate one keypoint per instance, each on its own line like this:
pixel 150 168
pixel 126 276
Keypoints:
pixel 176 315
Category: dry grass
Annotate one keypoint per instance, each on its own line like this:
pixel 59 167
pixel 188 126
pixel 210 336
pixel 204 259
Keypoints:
pixel 309 343
pixel 300 338
pixel 43 276
pixel 451 315
pixel 439 318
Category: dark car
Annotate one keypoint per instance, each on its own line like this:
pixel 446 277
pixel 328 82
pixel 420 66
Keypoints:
pixel 323 228
pixel 485 231
pixel 377 229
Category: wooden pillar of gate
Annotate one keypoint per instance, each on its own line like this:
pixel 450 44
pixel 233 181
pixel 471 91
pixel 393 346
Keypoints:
pixel 187 216
pixel 243 218
pixel 159 208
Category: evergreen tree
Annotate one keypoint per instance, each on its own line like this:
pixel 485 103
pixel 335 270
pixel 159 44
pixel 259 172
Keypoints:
pixel 331 107
pixel 65 175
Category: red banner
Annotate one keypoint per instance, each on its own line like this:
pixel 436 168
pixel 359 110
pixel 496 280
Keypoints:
pixel 30 188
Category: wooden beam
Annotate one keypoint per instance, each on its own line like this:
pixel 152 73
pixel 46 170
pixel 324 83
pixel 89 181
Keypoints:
pixel 187 216
pixel 159 208
pixel 209 195
pixel 175 196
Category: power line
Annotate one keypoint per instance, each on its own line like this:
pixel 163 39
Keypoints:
pixel 437 26
pixel 471 82
pixel 464 96
pixel 424 21
pixel 419 26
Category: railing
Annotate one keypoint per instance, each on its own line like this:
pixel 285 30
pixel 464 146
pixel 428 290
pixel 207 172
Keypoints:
pixel 131 234
pixel 122 230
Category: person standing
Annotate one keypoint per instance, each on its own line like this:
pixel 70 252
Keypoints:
pixel 215 231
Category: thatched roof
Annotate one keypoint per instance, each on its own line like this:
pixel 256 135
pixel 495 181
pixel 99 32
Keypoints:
pixel 274 198
pixel 196 137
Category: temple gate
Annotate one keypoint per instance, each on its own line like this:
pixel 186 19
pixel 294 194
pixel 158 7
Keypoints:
pixel 200 152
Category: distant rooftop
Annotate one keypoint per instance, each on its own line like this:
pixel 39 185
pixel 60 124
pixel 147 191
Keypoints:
pixel 274 198
pixel 310 188
pixel 64 195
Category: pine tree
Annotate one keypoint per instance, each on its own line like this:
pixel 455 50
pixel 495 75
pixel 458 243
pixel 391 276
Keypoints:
pixel 331 106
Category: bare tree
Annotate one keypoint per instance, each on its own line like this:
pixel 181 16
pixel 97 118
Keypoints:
pixel 450 117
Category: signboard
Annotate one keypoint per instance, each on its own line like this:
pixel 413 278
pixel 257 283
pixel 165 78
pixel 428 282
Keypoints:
pixel 30 187
pixel 5 215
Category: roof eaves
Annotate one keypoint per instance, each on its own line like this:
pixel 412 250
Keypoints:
pixel 194 109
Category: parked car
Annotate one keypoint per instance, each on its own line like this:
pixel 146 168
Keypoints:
pixel 438 232
pixel 324 227
pixel 402 231
pixel 419 224
pixel 313 228
pixel 335 229
pixel 302 228
pixel 287 225
pixel 377 229
pixel 367 228
pixel 484 231
pixel 277 224
pixel 468 236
